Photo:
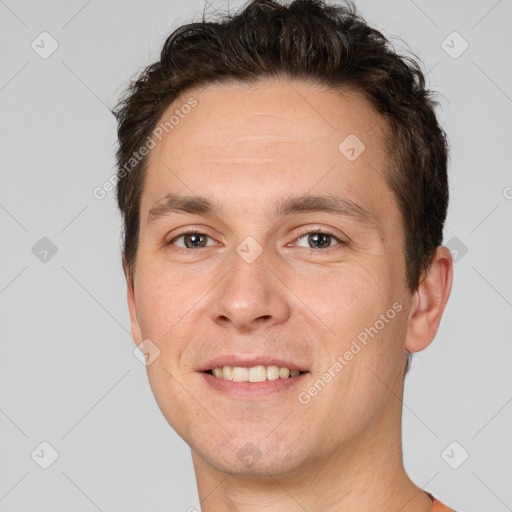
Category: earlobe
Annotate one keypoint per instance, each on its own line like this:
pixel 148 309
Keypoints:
pixel 429 302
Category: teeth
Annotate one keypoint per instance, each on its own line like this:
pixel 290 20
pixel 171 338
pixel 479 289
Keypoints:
pixel 257 373
pixel 240 374
pixel 272 372
pixel 253 374
pixel 226 372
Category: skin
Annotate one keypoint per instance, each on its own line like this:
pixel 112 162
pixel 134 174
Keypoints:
pixel 246 146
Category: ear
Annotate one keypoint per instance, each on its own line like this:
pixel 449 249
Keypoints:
pixel 429 302
pixel 130 294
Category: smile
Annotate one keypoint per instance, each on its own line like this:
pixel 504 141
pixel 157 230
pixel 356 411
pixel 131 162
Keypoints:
pixel 250 383
pixel 258 373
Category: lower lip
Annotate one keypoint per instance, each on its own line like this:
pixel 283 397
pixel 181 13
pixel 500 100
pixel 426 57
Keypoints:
pixel 248 390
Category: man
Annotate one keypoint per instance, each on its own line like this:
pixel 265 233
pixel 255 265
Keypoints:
pixel 282 179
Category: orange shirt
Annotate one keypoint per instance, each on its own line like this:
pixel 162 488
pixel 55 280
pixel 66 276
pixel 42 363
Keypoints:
pixel 439 507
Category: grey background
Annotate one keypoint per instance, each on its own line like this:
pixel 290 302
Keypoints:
pixel 68 373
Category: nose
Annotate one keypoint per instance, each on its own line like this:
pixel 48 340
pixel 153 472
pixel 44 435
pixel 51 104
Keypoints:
pixel 250 296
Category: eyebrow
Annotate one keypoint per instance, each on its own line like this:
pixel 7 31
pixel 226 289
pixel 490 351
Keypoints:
pixel 200 205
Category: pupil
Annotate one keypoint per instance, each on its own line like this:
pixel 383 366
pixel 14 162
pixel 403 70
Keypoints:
pixel 192 239
pixel 319 240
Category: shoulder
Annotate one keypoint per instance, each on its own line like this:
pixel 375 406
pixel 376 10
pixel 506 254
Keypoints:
pixel 439 507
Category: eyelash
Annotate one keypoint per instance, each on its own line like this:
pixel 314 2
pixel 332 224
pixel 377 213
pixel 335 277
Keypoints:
pixel 309 232
pixel 323 232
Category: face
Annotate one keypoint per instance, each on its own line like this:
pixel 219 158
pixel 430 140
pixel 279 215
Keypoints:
pixel 274 274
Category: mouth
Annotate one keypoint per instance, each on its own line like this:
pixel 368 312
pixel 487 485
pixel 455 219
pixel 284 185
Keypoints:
pixel 257 373
pixel 251 380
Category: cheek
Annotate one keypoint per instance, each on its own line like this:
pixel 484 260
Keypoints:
pixel 160 301
pixel 364 312
pixel 348 298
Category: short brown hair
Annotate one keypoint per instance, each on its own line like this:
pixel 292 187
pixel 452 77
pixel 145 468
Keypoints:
pixel 318 43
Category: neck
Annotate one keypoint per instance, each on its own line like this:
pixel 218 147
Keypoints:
pixel 364 473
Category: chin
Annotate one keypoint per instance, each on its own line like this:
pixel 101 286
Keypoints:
pixel 243 457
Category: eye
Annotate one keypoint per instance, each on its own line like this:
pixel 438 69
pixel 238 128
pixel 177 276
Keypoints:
pixel 318 240
pixel 191 240
pixel 312 240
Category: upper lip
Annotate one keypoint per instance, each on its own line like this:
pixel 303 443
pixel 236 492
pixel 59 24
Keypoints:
pixel 247 361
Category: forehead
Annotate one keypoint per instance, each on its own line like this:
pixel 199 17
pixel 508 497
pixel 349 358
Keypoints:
pixel 250 141
pixel 256 120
